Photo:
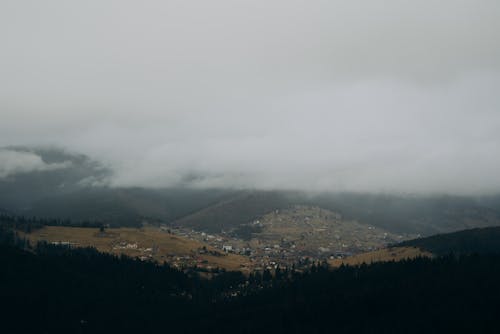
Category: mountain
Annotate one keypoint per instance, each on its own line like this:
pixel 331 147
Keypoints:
pixel 79 189
pixel 425 215
pixel 21 189
pixel 237 210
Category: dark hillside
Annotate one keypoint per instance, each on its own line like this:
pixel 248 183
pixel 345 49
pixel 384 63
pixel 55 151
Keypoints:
pixel 55 289
pixel 425 215
pixel 478 240
pixel 237 210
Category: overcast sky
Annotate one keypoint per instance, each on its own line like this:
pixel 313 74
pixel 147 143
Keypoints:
pixel 352 95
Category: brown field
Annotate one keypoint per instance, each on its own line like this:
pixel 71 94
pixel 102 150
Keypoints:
pixel 381 255
pixel 146 243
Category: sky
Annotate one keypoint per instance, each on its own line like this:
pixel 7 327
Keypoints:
pixel 368 96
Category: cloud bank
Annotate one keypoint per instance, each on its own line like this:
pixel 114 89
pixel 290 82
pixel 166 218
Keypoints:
pixel 14 162
pixel 316 95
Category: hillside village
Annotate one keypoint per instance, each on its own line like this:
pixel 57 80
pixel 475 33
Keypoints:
pixel 297 236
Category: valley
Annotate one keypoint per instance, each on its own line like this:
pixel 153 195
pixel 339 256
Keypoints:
pixel 298 236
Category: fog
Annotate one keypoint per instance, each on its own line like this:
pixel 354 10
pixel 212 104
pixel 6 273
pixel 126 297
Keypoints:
pixel 391 96
pixel 13 162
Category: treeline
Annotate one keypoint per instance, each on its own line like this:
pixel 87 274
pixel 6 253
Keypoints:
pixel 479 240
pixel 443 295
pixel 61 289
pixel 81 290
pixel 54 289
pixel 28 224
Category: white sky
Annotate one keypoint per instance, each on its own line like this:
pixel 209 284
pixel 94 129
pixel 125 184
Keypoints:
pixel 372 95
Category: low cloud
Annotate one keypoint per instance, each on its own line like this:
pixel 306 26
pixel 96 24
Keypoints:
pixel 17 162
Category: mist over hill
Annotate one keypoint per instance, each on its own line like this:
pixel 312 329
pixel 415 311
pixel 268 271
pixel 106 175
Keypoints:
pixel 80 190
pixel 70 185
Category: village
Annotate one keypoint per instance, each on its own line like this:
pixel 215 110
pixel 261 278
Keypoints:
pixel 298 236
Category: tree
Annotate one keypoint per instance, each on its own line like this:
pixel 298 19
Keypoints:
pixel 266 276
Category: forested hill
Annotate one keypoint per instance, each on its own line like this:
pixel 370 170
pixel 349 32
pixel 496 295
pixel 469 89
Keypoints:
pixel 52 289
pixel 478 240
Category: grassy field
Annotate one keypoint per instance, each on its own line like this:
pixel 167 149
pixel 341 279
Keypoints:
pixel 146 243
pixel 381 255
